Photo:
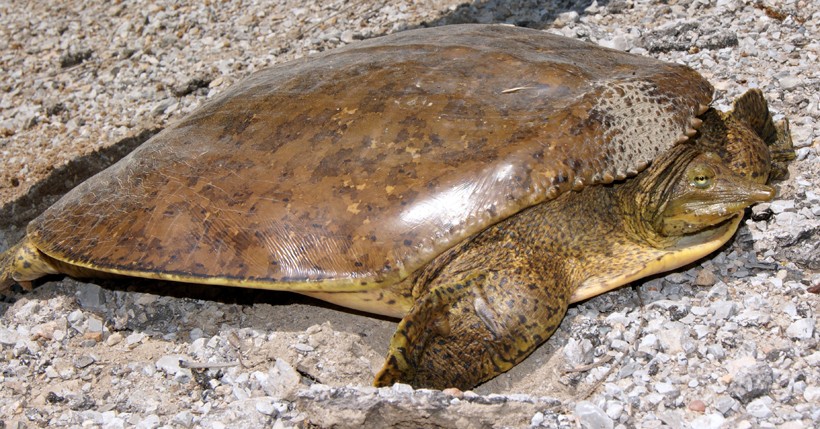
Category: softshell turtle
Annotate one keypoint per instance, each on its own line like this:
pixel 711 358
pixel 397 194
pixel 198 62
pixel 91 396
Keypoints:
pixel 473 180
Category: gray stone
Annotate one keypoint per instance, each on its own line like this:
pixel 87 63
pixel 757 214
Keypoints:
pixel 94 324
pixel 196 333
pixel 578 352
pixel 673 419
pixel 91 296
pixel 723 309
pixel 716 350
pixel 348 36
pixel 304 348
pixel 790 82
pixel 84 361
pixel 751 382
pixel 676 309
pixel 724 404
pixel 80 402
pixel 590 416
pixel 184 419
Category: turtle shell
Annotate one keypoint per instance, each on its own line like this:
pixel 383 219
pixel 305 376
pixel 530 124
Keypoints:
pixel 357 166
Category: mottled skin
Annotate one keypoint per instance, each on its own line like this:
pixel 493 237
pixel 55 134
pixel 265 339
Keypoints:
pixel 427 174
pixel 501 294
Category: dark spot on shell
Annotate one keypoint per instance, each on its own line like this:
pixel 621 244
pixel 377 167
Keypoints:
pixel 402 136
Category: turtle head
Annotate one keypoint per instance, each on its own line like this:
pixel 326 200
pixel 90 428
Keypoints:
pixel 705 194
pixel 748 139
pixel 687 191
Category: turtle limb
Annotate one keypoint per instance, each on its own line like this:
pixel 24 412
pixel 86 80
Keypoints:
pixel 23 263
pixel 474 325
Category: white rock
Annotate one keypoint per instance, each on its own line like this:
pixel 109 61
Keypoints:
pixel 8 337
pixel 648 344
pixel 614 409
pixel 402 388
pixel 709 421
pixel 812 393
pixel 282 382
pixel 592 416
pixel 134 338
pixel 670 340
pixel 170 364
pixel 666 389
pixel 150 421
pixel 759 408
pixel 184 419
pixel 304 348
pixel 537 419
pixel 801 329
pixel 780 206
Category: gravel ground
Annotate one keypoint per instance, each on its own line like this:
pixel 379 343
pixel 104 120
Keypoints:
pixel 731 342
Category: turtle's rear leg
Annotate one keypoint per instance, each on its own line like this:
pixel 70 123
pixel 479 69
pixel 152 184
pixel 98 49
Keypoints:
pixel 23 263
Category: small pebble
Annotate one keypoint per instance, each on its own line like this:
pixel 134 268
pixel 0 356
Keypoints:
pixel 697 406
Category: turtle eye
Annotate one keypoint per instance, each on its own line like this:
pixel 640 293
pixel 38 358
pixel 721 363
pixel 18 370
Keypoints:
pixel 701 177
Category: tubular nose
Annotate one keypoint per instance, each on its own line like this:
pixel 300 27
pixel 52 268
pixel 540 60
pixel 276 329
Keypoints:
pixel 763 193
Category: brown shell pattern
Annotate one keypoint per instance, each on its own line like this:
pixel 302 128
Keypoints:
pixel 360 165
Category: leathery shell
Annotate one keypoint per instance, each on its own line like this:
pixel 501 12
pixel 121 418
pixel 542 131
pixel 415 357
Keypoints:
pixel 359 165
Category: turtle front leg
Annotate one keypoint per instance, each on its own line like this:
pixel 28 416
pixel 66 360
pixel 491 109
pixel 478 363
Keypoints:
pixel 473 325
